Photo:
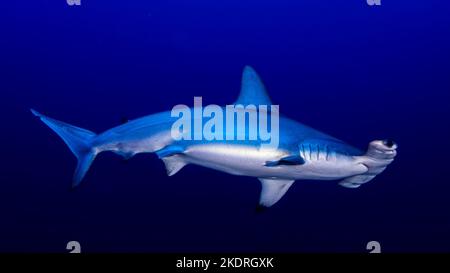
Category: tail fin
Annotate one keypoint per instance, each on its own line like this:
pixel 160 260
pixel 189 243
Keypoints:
pixel 79 141
pixel 379 155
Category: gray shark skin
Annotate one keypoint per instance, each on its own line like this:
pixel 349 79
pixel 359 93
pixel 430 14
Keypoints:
pixel 303 152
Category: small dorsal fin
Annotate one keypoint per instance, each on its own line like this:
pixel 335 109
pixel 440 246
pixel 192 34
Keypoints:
pixel 252 89
pixel 272 190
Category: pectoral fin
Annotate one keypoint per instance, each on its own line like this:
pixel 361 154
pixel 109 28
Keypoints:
pixel 272 190
pixel 288 160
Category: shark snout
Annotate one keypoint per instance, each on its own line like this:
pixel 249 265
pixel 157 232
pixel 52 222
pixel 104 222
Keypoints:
pixel 389 143
pixel 382 149
pixel 386 145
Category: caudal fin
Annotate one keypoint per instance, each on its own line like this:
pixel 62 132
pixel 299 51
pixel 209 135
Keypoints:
pixel 79 142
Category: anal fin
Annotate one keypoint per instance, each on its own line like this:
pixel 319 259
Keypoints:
pixel 172 156
pixel 174 164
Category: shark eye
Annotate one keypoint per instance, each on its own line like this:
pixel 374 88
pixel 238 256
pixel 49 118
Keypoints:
pixel 388 143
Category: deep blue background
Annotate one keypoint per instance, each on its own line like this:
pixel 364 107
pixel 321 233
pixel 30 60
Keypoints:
pixel 354 71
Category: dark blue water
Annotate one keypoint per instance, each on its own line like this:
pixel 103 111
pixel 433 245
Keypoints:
pixel 356 72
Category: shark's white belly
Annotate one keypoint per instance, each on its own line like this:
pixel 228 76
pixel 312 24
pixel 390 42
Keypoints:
pixel 233 159
pixel 250 161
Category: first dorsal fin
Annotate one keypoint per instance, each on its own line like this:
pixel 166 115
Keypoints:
pixel 252 89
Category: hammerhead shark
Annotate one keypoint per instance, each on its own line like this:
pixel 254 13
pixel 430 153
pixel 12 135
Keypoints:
pixel 302 153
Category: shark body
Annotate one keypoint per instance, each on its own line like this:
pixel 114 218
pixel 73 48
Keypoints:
pixel 302 153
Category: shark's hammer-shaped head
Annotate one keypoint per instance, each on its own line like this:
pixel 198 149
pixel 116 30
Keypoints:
pixel 382 149
pixel 379 155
